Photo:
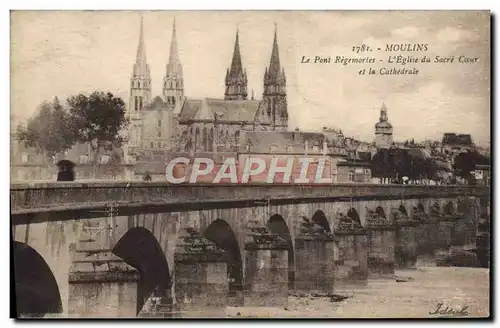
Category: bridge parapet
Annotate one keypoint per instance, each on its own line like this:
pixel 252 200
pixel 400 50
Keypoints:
pixel 59 196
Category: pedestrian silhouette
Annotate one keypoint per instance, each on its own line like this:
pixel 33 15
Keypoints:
pixel 147 177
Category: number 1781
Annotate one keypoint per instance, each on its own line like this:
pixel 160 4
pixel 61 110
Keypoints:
pixel 361 48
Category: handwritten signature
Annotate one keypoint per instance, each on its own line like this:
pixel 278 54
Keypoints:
pixel 446 310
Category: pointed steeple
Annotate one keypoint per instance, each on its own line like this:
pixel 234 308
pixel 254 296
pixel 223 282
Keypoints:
pixel 174 64
pixel 236 66
pixel 173 83
pixel 236 77
pixel 274 63
pixel 274 95
pixel 141 67
pixel 140 82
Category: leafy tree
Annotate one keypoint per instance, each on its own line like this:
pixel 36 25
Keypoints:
pixel 465 163
pixel 115 162
pixel 383 164
pixel 98 120
pixel 396 163
pixel 50 132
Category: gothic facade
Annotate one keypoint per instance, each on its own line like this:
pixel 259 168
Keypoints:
pixel 174 122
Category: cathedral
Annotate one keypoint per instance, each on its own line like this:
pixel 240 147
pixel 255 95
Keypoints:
pixel 176 123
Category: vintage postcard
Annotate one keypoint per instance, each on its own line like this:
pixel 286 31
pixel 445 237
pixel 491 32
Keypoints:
pixel 237 164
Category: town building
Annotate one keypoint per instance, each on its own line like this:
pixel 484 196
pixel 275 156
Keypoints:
pixel 28 165
pixel 454 144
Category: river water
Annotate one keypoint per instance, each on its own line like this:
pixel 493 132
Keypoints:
pixel 417 293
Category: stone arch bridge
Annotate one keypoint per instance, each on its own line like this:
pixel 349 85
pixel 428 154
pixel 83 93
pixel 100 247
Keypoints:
pixel 154 249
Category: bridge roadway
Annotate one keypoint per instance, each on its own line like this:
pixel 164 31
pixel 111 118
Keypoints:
pixel 155 249
pixel 39 202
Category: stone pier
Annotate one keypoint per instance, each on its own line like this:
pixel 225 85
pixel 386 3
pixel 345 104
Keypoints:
pixel 101 285
pixel 445 228
pixel 427 233
pixel 381 245
pixel 201 279
pixel 464 229
pixel 315 258
pixel 483 241
pixel 406 240
pixel 266 269
pixel 352 262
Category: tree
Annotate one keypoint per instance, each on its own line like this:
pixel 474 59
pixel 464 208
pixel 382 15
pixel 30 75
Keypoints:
pixel 383 164
pixel 396 163
pixel 50 132
pixel 115 162
pixel 402 163
pixel 98 120
pixel 465 163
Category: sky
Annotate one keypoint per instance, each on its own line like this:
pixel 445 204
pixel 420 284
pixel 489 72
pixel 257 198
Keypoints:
pixel 62 53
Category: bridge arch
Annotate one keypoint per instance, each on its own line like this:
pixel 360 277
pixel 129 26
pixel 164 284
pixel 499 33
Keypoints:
pixel 277 225
pixel 403 210
pixel 320 219
pixel 380 212
pixel 37 292
pixel 435 208
pixel 140 249
pixel 418 212
pixel 221 233
pixel 449 208
pixel 353 214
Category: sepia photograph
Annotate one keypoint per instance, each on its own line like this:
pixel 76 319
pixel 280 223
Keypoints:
pixel 250 164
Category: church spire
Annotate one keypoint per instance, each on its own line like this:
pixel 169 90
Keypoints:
pixel 174 64
pixel 274 63
pixel 141 67
pixel 173 83
pixel 274 76
pixel 236 77
pixel 274 109
pixel 140 82
pixel 236 66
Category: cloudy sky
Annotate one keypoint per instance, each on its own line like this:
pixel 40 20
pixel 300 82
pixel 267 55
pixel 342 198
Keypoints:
pixel 64 53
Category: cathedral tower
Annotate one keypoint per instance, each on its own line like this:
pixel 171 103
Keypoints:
pixel 275 105
pixel 383 130
pixel 173 83
pixel 140 87
pixel 140 92
pixel 236 77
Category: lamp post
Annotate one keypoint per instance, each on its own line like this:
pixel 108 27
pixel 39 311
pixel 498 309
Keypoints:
pixel 248 145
